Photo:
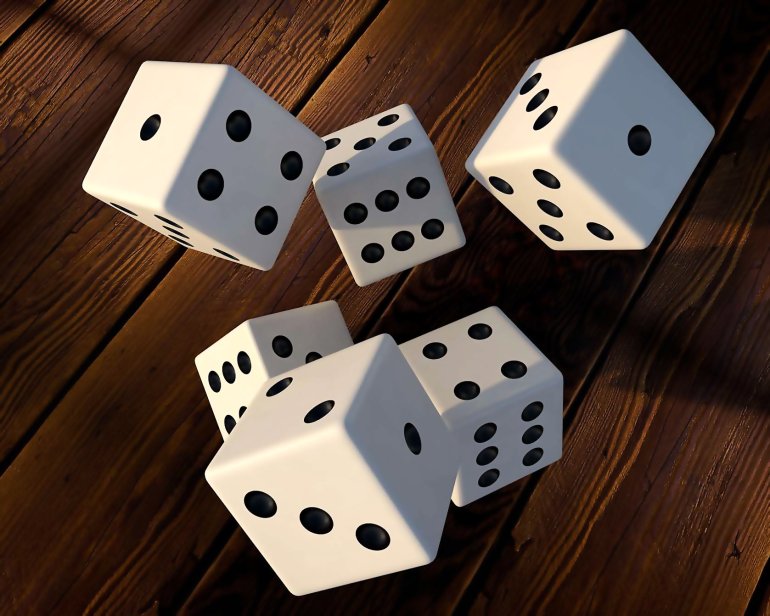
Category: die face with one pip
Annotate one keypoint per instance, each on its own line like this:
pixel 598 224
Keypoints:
pixel 499 395
pixel 383 191
pixel 593 147
pixel 342 471
pixel 202 155
pixel 235 368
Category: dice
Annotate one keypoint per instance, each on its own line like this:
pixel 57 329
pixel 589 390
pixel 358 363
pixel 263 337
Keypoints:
pixel 200 154
pixel 341 471
pixel 235 368
pixel 382 189
pixel 499 395
pixel 592 148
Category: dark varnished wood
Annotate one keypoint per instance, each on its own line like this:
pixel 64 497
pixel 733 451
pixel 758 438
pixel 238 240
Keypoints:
pixel 55 322
pixel 16 14
pixel 122 513
pixel 100 264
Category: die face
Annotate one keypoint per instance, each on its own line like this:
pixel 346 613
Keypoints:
pixel 384 194
pixel 621 138
pixel 366 526
pixel 200 154
pixel 509 441
pixel 232 372
pixel 235 368
pixel 482 373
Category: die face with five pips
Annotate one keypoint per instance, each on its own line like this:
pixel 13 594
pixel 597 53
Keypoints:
pixel 341 471
pixel 499 395
pixel 384 194
pixel 202 155
pixel 593 146
pixel 235 368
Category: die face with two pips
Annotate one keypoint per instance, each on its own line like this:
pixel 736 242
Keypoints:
pixel 593 147
pixel 203 156
pixel 342 472
pixel 384 194
pixel 236 367
pixel 498 394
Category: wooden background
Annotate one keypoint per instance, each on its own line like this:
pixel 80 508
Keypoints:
pixel 661 503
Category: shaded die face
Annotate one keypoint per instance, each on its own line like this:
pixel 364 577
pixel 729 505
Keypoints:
pixel 229 384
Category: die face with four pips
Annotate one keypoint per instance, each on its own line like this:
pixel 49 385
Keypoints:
pixel 384 194
pixel 235 368
pixel 593 147
pixel 341 470
pixel 499 395
pixel 203 156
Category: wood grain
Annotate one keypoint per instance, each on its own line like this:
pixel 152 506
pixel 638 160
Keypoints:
pixel 568 303
pixel 100 263
pixel 105 508
pixel 665 480
pixel 15 14
pixel 138 416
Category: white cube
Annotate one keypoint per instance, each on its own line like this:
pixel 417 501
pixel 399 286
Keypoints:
pixel 341 473
pixel 499 395
pixel 234 369
pixel 593 147
pixel 202 155
pixel 384 194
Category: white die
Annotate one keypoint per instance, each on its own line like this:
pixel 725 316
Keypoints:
pixel 592 148
pixel 235 368
pixel 499 395
pixel 202 155
pixel 384 194
pixel 343 471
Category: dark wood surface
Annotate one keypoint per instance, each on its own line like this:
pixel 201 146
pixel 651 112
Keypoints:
pixel 661 502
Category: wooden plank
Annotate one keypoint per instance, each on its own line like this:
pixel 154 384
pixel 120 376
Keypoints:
pixel 661 503
pixel 104 263
pixel 133 435
pixel 15 14
pixel 566 302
